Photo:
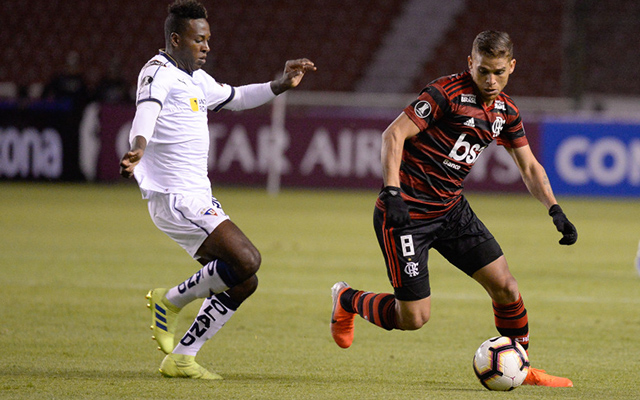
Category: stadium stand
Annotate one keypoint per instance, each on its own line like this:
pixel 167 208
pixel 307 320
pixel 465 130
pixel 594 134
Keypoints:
pixel 536 29
pixel 410 42
pixel 611 62
pixel 558 44
pixel 251 39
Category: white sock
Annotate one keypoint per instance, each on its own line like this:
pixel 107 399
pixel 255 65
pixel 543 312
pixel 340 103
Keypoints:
pixel 212 316
pixel 204 283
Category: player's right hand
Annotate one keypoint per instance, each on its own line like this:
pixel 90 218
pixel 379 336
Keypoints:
pixel 129 162
pixel 397 214
pixel 294 71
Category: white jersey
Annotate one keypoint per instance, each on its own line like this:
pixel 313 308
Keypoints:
pixel 175 159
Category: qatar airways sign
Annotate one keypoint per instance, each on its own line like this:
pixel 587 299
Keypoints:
pixel 315 151
pixel 311 152
pixel 593 158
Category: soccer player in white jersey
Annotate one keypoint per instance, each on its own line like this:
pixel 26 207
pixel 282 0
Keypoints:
pixel 168 157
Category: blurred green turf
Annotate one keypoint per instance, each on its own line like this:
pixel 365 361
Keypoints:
pixel 77 260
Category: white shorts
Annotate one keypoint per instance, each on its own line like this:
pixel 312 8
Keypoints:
pixel 188 219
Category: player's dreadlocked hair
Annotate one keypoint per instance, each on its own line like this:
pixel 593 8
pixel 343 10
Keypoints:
pixel 494 44
pixel 180 12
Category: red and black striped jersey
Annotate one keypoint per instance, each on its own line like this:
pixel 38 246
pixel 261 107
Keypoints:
pixel 455 127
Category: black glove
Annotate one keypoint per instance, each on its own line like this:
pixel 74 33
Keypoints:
pixel 569 232
pixel 397 210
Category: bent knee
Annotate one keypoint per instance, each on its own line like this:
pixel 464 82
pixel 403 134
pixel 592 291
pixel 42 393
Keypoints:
pixel 249 261
pixel 412 315
pixel 506 292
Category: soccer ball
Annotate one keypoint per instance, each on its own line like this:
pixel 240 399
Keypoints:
pixel 501 363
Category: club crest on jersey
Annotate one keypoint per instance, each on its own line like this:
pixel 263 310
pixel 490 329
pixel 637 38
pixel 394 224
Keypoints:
pixel 422 109
pixel 497 125
pixel 197 104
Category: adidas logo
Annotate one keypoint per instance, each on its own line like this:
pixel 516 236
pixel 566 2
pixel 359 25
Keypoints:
pixel 470 123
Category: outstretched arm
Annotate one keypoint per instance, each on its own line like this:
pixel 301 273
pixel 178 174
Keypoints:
pixel 256 94
pixel 533 175
pixel 537 182
pixel 294 71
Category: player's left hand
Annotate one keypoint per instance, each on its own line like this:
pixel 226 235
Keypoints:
pixel 294 71
pixel 560 220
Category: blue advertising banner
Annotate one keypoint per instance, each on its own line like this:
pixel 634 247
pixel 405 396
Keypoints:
pixel 592 158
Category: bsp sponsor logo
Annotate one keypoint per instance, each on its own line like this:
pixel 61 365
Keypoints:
pixel 464 151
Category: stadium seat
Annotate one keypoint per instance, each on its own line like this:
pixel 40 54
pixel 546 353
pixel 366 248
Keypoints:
pixel 252 39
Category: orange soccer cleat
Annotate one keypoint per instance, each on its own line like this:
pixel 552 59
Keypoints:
pixel 538 377
pixel 341 320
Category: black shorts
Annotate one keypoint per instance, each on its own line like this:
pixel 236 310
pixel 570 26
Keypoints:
pixel 459 236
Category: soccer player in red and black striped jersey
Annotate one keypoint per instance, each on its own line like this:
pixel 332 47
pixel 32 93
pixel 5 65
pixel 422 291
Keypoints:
pixel 426 154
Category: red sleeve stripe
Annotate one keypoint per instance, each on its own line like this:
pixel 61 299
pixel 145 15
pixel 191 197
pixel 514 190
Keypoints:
pixel 458 87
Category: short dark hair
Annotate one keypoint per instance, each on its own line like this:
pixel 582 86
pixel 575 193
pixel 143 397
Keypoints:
pixel 180 12
pixel 493 44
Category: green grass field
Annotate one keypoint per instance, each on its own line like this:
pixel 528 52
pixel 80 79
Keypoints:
pixel 77 260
